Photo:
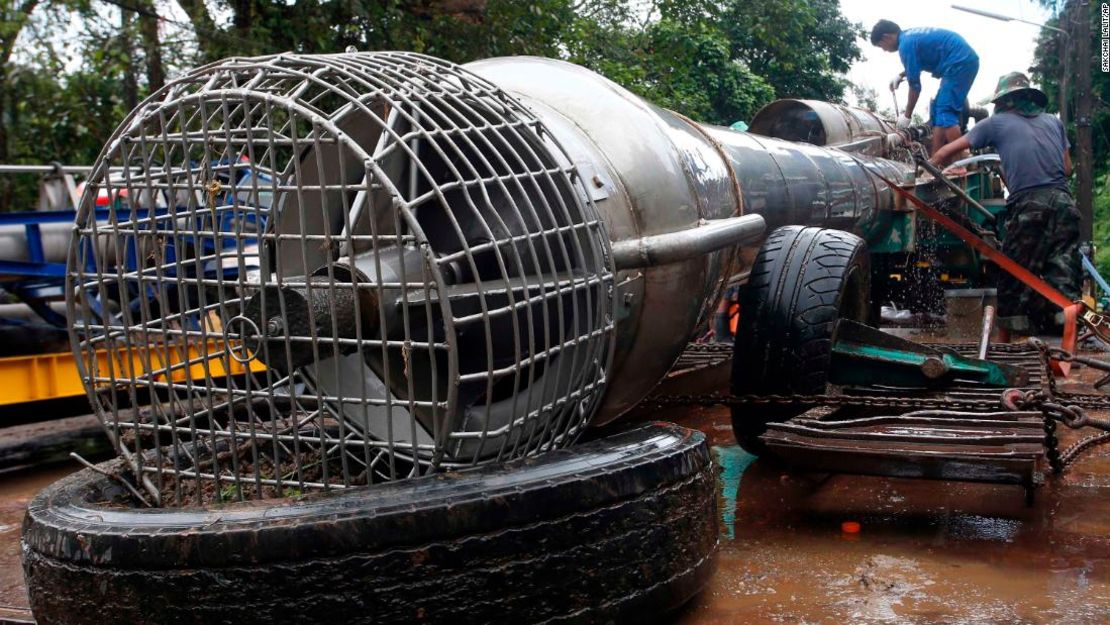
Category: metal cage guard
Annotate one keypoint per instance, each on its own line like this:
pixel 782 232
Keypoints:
pixel 330 270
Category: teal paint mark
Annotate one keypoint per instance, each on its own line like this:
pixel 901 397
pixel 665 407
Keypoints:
pixel 732 460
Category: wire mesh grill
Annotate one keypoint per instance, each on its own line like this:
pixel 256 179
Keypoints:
pixel 320 271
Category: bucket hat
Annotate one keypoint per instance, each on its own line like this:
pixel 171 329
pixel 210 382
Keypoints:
pixel 1016 82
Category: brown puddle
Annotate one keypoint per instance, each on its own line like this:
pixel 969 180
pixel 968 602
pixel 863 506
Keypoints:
pixel 16 490
pixel 928 552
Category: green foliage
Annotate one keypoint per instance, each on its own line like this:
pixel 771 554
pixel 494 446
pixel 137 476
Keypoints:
pixel 1102 227
pixel 802 47
pixel 715 61
pixel 1047 70
pixel 691 71
pixel 67 121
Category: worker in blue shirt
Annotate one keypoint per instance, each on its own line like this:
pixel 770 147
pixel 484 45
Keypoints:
pixel 942 53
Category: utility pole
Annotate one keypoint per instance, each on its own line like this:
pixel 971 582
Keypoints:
pixel 1065 60
pixel 1084 150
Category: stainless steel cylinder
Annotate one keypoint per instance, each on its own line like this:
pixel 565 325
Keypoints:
pixel 379 265
pixel 816 122
pixel 652 171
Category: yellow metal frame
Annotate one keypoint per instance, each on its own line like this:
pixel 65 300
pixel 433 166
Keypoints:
pixel 55 376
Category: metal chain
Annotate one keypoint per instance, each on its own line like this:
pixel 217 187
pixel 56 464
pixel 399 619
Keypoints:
pixel 1054 404
pixel 1052 446
pixel 1090 401
pixel 1070 415
pixel 1081 446
pixel 1068 408
pixel 870 401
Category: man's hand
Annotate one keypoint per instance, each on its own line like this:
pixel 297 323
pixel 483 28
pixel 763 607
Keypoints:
pixel 904 122
pixel 894 82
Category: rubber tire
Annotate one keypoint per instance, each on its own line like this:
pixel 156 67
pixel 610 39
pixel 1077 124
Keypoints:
pixel 802 281
pixel 620 529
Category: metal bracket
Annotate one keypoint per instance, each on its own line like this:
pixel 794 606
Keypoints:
pixel 862 355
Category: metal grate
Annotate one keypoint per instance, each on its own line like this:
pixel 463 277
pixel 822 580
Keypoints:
pixel 320 271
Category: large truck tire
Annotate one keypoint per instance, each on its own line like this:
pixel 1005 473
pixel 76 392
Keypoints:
pixel 803 281
pixel 619 529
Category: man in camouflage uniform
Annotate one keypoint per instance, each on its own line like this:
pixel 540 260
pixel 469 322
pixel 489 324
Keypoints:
pixel 1042 224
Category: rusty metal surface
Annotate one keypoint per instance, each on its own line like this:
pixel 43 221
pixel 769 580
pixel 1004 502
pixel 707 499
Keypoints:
pixel 698 356
pixel 979 445
pixel 967 445
pixel 900 432
pixel 949 445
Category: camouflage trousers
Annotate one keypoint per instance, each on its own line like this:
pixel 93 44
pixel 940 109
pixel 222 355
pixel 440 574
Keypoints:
pixel 1041 234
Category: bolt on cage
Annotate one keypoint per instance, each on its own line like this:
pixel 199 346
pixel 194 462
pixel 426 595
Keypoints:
pixel 320 271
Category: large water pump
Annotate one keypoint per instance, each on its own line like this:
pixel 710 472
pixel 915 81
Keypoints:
pixel 391 264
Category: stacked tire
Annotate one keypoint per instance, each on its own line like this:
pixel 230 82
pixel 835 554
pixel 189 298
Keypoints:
pixel 618 529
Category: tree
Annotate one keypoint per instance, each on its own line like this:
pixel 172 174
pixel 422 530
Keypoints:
pixel 802 48
pixel 1047 72
pixel 866 97
pixel 713 60
pixel 13 17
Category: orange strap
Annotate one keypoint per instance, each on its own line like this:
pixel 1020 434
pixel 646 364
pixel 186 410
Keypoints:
pixel 1028 278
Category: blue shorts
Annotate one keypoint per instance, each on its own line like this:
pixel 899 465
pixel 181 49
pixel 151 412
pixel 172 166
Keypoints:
pixel 954 85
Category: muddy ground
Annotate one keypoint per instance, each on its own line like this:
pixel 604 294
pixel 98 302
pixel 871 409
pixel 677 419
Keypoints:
pixel 926 553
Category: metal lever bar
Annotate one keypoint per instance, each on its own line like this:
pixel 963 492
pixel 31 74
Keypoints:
pixel 985 332
pixel 1074 312
pixel 960 193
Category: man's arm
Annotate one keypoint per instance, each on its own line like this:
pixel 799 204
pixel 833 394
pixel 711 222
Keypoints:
pixel 1067 164
pixel 911 102
pixel 908 54
pixel 945 154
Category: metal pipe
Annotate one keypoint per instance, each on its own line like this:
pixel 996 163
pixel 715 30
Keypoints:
pixel 710 236
pixel 1090 268
pixel 981 158
pixel 955 188
pixel 51 169
pixel 654 173
pixel 54 236
pixel 796 183
pixel 818 123
pixel 988 328
pixel 23 312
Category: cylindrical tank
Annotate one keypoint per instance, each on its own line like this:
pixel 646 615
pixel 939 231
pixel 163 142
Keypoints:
pixel 55 242
pixel 441 265
pixel 654 171
pixel 818 123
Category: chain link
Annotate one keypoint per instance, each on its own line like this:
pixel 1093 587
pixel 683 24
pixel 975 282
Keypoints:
pixel 870 401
